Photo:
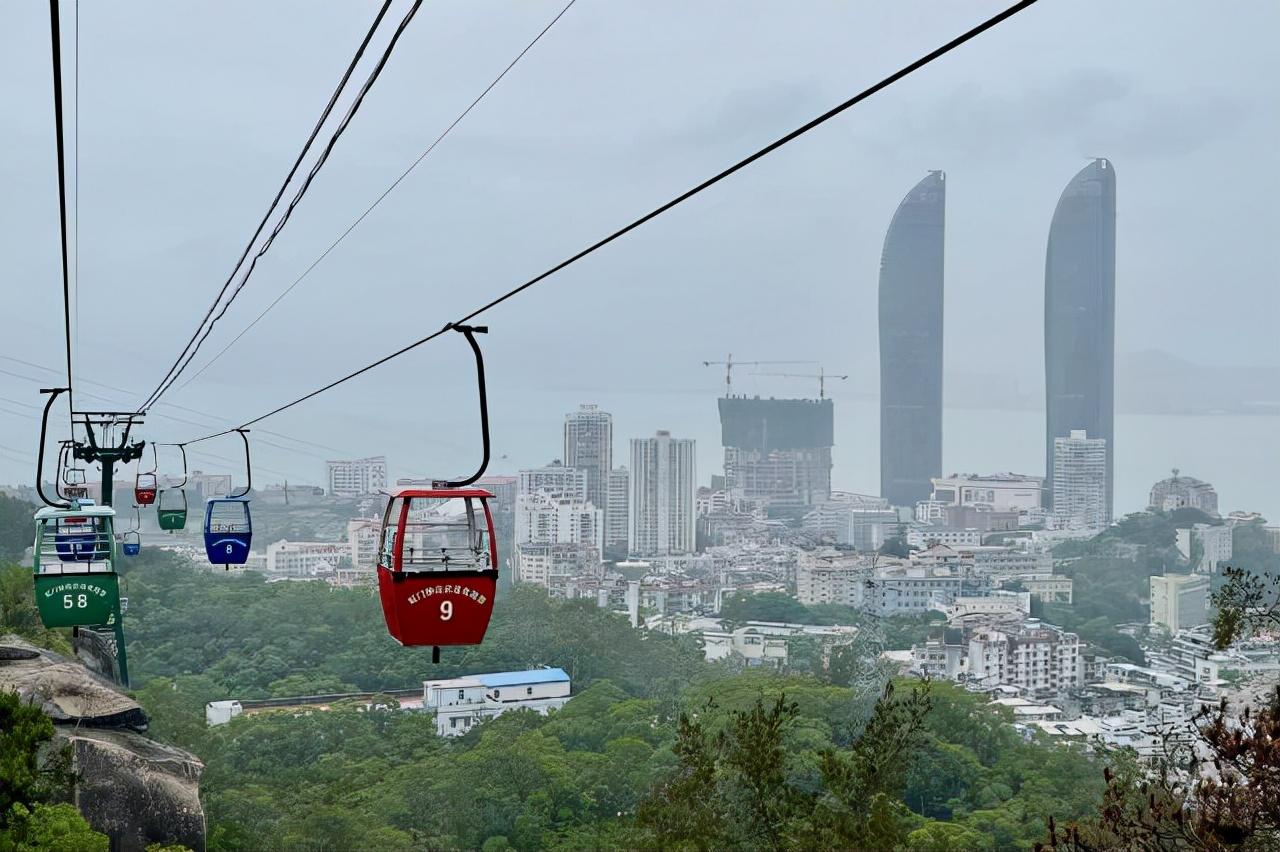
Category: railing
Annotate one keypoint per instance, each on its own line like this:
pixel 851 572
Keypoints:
pixel 82 548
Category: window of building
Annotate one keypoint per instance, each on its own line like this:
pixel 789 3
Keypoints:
pixel 528 690
pixel 453 721
pixel 462 693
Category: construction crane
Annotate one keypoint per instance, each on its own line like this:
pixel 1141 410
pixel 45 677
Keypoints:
pixel 821 376
pixel 729 364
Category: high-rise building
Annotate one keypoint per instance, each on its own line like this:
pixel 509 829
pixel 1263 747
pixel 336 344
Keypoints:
pixel 1080 316
pixel 588 446
pixel 1080 481
pixel 357 477
pixel 911 344
pixel 777 451
pixel 663 479
pixel 617 513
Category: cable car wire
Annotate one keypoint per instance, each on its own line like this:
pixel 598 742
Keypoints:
pixel 377 201
pixel 205 414
pixel 185 359
pixel 315 131
pixel 55 33
pixel 77 216
pixel 712 181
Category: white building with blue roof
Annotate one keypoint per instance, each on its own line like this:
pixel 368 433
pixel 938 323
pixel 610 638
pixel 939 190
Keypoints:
pixel 461 702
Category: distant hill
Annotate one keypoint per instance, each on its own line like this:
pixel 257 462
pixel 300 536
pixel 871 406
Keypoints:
pixel 1154 382
pixel 1150 382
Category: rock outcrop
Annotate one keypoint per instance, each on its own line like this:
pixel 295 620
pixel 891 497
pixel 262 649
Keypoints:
pixel 133 789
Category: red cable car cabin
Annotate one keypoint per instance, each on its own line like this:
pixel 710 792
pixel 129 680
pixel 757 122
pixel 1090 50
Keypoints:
pixel 144 489
pixel 438 566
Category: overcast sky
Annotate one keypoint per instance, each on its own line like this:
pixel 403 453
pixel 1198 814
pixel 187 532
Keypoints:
pixel 192 113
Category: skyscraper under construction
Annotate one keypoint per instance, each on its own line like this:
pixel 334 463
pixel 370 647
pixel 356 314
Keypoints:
pixel 777 451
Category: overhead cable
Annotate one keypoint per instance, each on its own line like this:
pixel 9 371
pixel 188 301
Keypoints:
pixel 56 41
pixel 306 184
pixel 395 183
pixel 738 166
pixel 315 131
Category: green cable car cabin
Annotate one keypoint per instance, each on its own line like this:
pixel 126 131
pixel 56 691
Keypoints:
pixel 75 566
pixel 171 509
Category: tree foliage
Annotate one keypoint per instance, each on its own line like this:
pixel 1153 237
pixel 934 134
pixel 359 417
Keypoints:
pixel 31 783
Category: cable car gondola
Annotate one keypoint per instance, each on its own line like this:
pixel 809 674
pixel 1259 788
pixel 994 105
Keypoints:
pixel 438 566
pixel 131 543
pixel 171 509
pixel 171 502
pixel 437 555
pixel 74 565
pixel 228 525
pixel 145 486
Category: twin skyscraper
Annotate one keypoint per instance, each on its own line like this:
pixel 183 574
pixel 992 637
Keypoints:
pixel 1079 329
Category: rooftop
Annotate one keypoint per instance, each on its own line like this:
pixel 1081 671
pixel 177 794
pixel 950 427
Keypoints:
pixel 546 675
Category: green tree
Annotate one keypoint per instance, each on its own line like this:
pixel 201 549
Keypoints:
pixel 765 606
pixel 50 828
pixel 29 819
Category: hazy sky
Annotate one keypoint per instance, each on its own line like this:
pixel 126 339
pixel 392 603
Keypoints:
pixel 192 113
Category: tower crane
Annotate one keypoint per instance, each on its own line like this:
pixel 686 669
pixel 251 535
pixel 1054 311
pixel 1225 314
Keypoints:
pixel 729 364
pixel 822 376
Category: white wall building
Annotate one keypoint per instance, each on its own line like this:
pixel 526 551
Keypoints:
pixel 304 558
pixel 362 542
pixel 543 519
pixel 1037 659
pixel 357 477
pixel 663 484
pixel 950 536
pixel 1080 481
pixel 830 577
pixel 1180 601
pixel 1214 543
pixel 462 702
pixel 914 589
pixel 555 480
pixel 854 519
pixel 1001 492
pixel 554 566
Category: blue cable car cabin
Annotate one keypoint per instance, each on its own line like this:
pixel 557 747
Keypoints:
pixel 74 565
pixel 228 530
pixel 131 543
